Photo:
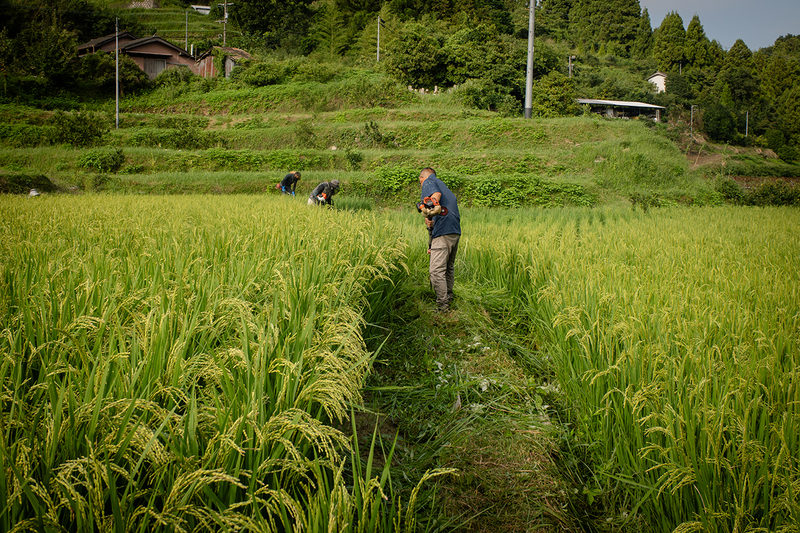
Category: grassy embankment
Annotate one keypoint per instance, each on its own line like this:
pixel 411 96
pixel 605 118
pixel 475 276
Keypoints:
pixel 371 135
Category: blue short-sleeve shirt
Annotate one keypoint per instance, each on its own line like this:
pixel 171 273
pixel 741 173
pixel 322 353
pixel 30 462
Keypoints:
pixel 443 224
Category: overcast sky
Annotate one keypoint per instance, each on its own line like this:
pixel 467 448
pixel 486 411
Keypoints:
pixel 757 22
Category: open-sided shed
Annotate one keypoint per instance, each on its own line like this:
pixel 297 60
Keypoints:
pixel 623 109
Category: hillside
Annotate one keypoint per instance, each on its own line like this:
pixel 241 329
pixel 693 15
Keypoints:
pixel 196 136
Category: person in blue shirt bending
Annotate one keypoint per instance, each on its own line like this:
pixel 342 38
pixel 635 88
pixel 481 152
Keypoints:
pixel 440 207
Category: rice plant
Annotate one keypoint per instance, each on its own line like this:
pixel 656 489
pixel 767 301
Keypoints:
pixel 675 338
pixel 175 364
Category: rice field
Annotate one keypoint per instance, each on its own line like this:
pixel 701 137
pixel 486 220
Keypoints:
pixel 675 337
pixel 176 363
pixel 182 363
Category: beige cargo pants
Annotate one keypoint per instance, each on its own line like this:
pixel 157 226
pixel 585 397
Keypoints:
pixel 442 268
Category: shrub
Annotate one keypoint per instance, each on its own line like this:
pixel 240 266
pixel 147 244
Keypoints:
pixel 354 159
pixel 183 138
pixel 260 74
pixel 373 134
pixel 25 135
pixel 730 190
pixel 78 128
pixel 23 183
pixel 481 94
pixel 484 190
pixel 774 193
pixel 102 159
pixel 95 182
pixel 393 179
pixel 172 77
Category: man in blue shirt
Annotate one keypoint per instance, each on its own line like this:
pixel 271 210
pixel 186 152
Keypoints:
pixel 444 223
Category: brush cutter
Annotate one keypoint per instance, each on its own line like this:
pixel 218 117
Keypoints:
pixel 430 208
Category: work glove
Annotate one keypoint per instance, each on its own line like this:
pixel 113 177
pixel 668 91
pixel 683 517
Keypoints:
pixel 292 193
pixel 321 198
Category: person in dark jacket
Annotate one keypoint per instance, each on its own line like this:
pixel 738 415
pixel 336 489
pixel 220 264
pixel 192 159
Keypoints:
pixel 289 182
pixel 323 193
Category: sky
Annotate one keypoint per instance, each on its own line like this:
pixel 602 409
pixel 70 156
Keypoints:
pixel 757 22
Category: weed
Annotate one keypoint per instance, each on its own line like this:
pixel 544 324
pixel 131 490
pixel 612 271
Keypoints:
pixel 102 160
pixel 78 128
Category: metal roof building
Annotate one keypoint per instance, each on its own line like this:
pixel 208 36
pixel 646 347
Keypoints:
pixel 623 109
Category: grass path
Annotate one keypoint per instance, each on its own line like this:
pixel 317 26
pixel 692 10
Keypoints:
pixel 463 391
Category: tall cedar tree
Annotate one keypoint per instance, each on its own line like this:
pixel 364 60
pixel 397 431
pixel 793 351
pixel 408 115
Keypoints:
pixel 738 73
pixel 643 42
pixel 487 11
pixel 613 24
pixel 552 18
pixel 669 43
pixel 697 44
pixel 284 23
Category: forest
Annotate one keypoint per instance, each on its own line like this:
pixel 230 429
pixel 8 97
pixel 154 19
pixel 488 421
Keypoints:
pixel 583 49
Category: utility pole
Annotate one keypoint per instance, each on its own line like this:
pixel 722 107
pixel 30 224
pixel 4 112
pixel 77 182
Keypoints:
pixel 691 123
pixel 224 20
pixel 186 41
pixel 570 65
pixel 378 54
pixel 116 59
pixel 529 71
pixel 747 124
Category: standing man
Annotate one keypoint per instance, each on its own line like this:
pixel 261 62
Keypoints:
pixel 289 182
pixel 439 205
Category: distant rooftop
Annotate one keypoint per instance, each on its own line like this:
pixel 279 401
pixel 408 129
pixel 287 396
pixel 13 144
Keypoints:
pixel 618 103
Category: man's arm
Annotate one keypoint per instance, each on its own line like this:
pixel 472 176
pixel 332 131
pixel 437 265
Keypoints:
pixel 436 197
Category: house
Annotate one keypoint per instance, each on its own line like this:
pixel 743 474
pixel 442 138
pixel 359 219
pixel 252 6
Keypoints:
pixel 622 109
pixel 152 54
pixel 206 67
pixel 659 79
pixel 106 43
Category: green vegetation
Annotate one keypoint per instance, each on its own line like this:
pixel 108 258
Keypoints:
pixel 603 368
pixel 614 360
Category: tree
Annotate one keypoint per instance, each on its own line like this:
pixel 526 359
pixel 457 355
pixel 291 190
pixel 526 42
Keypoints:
pixel 779 76
pixel 328 31
pixel 739 56
pixel 719 122
pixel 415 58
pixel 613 23
pixel 479 53
pixel 96 75
pixel 552 19
pixel 554 96
pixel 283 23
pixel 738 72
pixel 492 11
pixel 643 42
pixel 669 43
pixel 697 44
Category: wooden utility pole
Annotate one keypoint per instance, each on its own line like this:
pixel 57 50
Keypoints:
pixel 224 21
